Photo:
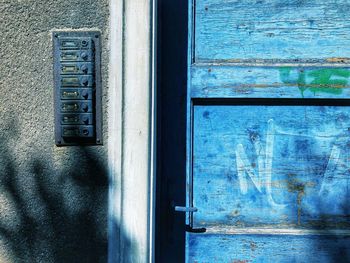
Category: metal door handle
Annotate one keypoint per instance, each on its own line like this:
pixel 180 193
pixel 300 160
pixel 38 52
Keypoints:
pixel 188 228
pixel 187 209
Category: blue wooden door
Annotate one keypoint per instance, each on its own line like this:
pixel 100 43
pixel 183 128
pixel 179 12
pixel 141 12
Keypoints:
pixel 268 141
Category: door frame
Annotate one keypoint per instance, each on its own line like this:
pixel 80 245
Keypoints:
pixel 131 130
pixel 148 101
pixel 171 129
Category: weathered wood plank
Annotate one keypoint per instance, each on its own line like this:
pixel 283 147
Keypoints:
pixel 269 82
pixel 292 30
pixel 266 248
pixel 270 182
pixel 280 166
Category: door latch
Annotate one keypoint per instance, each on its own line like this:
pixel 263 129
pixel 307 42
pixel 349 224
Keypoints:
pixel 190 229
pixel 185 209
pixel 190 209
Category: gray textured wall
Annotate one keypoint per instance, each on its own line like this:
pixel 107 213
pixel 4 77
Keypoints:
pixel 53 201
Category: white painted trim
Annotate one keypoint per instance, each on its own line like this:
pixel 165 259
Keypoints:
pixel 115 128
pixel 152 210
pixel 131 122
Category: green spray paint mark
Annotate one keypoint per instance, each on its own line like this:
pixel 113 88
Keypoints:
pixel 298 78
pixel 326 80
pixel 329 81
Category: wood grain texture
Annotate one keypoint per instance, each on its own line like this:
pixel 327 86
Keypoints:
pixel 292 30
pixel 269 82
pixel 270 182
pixel 265 248
pixel 280 166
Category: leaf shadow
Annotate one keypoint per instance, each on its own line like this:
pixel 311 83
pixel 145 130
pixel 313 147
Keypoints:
pixel 54 214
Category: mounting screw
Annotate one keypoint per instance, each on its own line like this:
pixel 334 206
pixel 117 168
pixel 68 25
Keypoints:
pixel 86 120
pixel 84 68
pixel 85 81
pixel 96 36
pixel 85 107
pixel 85 95
pixel 59 142
pixel 84 43
pixel 86 132
pixel 98 140
pixel 84 55
pixel 56 35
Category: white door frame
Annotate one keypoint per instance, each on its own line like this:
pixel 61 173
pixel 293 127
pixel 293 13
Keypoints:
pixel 131 130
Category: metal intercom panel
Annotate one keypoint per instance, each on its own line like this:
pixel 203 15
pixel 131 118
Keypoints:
pixel 77 79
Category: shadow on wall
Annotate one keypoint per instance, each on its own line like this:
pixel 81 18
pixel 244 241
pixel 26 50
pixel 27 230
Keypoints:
pixel 52 214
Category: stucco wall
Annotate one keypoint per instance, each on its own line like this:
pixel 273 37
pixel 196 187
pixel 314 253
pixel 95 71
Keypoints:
pixel 53 201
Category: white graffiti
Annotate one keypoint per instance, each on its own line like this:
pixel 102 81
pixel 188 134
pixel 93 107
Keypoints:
pixel 263 179
pixel 262 176
pixel 329 172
